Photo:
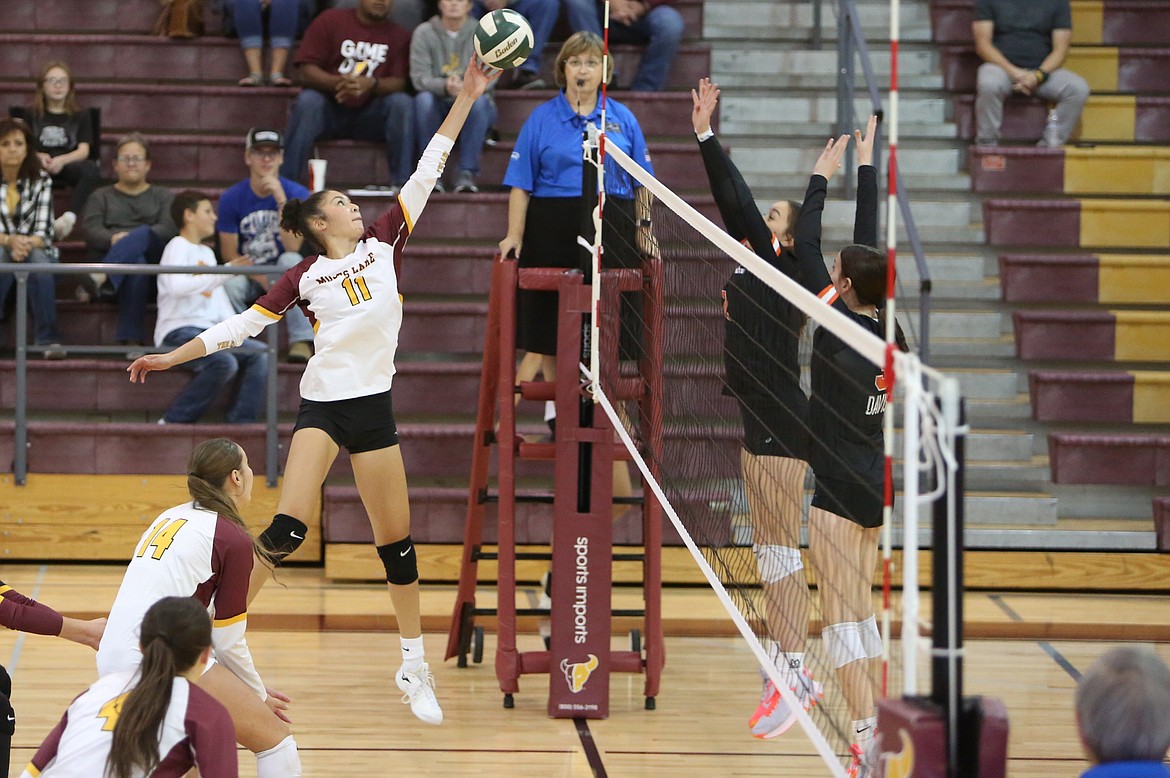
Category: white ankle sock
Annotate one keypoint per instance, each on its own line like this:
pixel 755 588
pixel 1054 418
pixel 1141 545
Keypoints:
pixel 412 653
pixel 280 761
pixel 550 410
pixel 790 665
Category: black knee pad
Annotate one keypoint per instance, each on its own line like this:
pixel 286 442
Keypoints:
pixel 400 561
pixel 283 536
pixel 5 682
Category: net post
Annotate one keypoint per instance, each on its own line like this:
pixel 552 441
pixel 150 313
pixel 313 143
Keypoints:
pixel 947 640
pixel 912 381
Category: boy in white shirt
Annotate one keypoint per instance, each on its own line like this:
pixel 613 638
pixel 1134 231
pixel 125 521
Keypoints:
pixel 189 304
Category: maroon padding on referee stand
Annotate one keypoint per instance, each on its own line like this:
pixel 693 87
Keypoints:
pixel 913 738
pixel 1081 396
pixel 1065 335
pixel 1162 522
pixel 1069 278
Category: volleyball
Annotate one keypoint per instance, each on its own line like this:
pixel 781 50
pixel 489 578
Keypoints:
pixel 503 39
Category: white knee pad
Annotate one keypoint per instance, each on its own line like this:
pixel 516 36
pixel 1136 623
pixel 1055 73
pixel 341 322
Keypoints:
pixel 871 639
pixel 776 563
pixel 280 761
pixel 843 643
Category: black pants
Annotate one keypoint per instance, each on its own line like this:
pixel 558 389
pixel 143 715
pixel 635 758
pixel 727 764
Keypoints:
pixel 84 176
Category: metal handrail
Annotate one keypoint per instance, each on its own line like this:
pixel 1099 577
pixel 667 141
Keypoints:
pixel 22 271
pixel 850 40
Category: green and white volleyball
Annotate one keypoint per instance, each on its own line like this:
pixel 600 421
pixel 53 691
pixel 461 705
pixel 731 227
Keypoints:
pixel 503 39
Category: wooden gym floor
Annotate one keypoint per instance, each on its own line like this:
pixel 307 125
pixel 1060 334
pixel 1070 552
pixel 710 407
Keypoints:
pixel 331 647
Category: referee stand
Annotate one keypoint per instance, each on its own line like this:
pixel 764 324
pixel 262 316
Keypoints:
pixel 578 659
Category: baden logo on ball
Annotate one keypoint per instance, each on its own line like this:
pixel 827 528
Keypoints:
pixel 503 39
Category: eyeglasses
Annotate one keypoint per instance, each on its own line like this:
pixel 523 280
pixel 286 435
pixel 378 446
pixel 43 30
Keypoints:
pixel 591 64
pixel 128 160
pixel 59 81
pixel 266 153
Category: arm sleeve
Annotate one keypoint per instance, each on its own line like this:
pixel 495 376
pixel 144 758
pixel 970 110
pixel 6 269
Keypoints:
pixel 232 557
pixel 734 199
pixel 84 128
pixel 639 151
pixel 48 750
pixel 27 615
pixel 865 221
pixel 415 193
pixel 315 45
pixel 983 11
pixel 227 212
pixel 212 736
pixel 1063 19
pixel 43 208
pixel 230 333
pixel 525 162
pixel 97 234
pixel 164 226
pixel 813 274
pixel 183 285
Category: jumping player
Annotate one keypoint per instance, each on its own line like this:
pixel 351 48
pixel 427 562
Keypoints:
pixel 150 721
pixel 846 408
pixel 202 549
pixel 349 290
pixel 761 341
pixel 25 614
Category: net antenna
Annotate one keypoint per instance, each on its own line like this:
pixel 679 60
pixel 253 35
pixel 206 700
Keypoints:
pixel 595 319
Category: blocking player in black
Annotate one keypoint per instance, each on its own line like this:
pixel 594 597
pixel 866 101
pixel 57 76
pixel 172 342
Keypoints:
pixel 846 409
pixel 761 340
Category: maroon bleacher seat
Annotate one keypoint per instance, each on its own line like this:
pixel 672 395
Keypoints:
pixel 1016 169
pixel 1132 460
pixel 1063 396
pixel 1066 335
pixel 1071 278
pixel 1048 223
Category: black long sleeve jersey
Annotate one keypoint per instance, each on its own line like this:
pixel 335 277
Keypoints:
pixel 761 331
pixel 848 391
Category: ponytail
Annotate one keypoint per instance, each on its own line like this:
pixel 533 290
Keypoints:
pixel 296 213
pixel 208 468
pixel 899 336
pixel 174 632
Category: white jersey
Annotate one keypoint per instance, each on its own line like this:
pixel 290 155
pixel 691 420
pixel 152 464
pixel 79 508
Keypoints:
pixel 189 301
pixel 353 302
pixel 186 552
pixel 197 731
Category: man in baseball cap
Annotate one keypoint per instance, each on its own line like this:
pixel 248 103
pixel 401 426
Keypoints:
pixel 249 225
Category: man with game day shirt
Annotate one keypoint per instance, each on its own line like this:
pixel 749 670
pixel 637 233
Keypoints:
pixel 354 64
pixel 249 226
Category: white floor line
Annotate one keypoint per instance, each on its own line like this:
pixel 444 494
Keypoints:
pixel 19 644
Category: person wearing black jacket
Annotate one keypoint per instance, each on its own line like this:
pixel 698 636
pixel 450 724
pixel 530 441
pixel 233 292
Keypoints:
pixel 761 343
pixel 846 407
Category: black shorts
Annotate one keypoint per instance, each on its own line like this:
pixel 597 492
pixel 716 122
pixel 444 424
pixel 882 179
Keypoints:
pixel 357 424
pixel 771 429
pixel 860 503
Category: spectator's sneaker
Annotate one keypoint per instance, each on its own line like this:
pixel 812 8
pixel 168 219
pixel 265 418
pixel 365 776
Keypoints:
pixel 63 225
pixel 54 351
pixel 440 187
pixel 773 717
pixel 299 352
pixel 419 693
pixel 492 138
pixel 465 182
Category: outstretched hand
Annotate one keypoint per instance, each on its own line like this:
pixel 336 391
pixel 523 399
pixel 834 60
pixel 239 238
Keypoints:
pixel 143 365
pixel 830 159
pixel 865 142
pixel 704 101
pixel 478 77
pixel 277 702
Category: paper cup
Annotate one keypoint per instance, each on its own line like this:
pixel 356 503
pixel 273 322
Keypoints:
pixel 317 174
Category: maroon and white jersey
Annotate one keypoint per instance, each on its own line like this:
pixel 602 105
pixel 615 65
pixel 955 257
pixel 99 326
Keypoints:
pixel 352 302
pixel 197 731
pixel 186 552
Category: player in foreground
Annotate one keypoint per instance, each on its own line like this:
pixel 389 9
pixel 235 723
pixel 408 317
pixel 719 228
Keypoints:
pixel 202 549
pixel 761 344
pixel 349 290
pixel 150 721
pixel 846 409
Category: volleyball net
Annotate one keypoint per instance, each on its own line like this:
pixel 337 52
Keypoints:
pixel 736 495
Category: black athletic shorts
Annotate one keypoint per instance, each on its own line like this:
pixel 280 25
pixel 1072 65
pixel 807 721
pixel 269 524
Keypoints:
pixel 357 424
pixel 770 429
pixel 858 502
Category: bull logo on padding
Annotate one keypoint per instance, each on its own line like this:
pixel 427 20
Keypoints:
pixel 577 673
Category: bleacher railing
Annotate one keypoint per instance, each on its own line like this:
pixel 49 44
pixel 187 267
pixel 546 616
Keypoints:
pixel 23 348
pixel 850 45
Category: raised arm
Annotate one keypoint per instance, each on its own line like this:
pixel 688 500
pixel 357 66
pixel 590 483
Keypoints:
pixel 734 199
pixel 865 220
pixel 813 273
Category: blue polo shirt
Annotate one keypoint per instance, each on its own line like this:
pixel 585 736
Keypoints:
pixel 1128 770
pixel 547 159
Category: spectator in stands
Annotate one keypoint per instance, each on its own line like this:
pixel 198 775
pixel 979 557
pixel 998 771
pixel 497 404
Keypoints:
pixel 1123 714
pixel 542 16
pixel 353 65
pixel 129 223
pixel 1023 45
pixel 65 138
pixel 249 226
pixel 439 52
pixel 652 22
pixel 189 304
pixel 407 14
pixel 26 227
pixel 248 18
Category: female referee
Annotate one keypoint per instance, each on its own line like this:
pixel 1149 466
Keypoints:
pixel 761 341
pixel 350 292
pixel 150 721
pixel 846 407
pixel 202 549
